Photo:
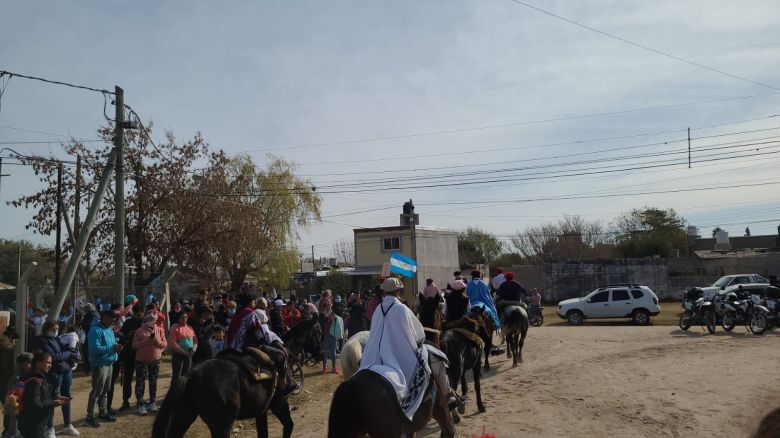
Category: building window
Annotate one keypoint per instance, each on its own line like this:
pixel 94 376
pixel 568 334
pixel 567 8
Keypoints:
pixel 391 244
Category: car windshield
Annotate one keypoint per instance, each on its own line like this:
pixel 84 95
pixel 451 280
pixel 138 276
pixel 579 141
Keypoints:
pixel 722 282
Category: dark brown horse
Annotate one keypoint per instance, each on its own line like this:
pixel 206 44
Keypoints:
pixel 221 391
pixel 430 314
pixel 304 339
pixel 463 346
pixel 367 404
pixel 515 328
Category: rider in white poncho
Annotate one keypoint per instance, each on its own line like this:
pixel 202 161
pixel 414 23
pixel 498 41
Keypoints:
pixel 395 350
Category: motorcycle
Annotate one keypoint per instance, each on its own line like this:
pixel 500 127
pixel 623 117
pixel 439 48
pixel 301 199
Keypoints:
pixel 697 310
pixel 771 300
pixel 746 310
pixel 536 319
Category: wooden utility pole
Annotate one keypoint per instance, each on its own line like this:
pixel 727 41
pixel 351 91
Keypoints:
pixel 119 197
pixel 58 244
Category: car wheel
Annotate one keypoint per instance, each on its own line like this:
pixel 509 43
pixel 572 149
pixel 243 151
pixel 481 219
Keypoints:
pixel 641 317
pixel 575 317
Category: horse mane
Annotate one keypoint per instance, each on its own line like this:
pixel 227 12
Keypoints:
pixel 465 323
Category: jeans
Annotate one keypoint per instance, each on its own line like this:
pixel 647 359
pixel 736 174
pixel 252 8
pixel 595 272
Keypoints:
pixel 143 370
pixel 180 364
pixel 101 383
pixel 329 351
pixel 60 386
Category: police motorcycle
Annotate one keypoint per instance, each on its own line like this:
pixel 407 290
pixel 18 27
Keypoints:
pixel 742 307
pixel 771 300
pixel 698 309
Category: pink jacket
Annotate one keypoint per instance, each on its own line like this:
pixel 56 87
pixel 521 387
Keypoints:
pixel 146 348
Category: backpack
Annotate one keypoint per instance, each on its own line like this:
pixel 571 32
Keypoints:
pixel 14 400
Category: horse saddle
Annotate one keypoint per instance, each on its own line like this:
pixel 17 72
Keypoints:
pixel 254 361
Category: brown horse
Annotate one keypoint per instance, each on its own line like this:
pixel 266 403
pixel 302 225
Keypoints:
pixel 461 343
pixel 430 314
pixel 367 404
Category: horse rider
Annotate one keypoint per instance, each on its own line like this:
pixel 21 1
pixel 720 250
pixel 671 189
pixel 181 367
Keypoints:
pixel 247 331
pixel 395 350
pixel 510 293
pixel 456 303
pixel 479 293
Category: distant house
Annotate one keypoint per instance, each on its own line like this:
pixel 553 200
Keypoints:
pixel 436 252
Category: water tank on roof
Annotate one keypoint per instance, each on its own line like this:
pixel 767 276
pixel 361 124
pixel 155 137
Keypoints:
pixel 722 237
pixel 693 231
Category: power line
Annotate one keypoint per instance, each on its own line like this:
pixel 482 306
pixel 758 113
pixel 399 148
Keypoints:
pixel 49 81
pixel 503 125
pixel 641 46
pixel 479 150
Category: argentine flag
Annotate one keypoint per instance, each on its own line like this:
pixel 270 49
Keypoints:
pixel 402 265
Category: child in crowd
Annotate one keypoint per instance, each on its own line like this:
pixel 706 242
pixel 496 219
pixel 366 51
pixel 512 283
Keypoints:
pixel 23 366
pixel 70 341
pixel 217 340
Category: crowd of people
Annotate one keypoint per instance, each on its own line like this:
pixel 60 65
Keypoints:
pixel 128 341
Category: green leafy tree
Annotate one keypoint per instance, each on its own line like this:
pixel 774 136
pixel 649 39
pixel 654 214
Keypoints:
pixel 9 262
pixel 650 231
pixel 338 282
pixel 476 246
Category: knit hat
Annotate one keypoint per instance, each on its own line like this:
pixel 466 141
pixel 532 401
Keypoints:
pixel 458 285
pixel 499 270
pixel 130 299
pixel 509 276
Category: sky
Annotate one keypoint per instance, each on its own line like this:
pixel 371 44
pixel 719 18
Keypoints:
pixel 429 95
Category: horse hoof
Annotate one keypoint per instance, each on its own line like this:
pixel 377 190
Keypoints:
pixel 514 364
pixel 455 418
pixel 508 354
pixel 487 367
pixel 481 409
pixel 462 408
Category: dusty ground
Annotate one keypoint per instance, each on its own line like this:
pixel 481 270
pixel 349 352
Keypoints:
pixel 602 379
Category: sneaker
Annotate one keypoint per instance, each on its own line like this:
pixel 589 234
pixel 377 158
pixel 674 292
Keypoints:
pixel 91 422
pixel 151 407
pixel 110 411
pixel 333 371
pixel 50 433
pixel 70 430
pixel 125 406
pixel 141 410
pixel 324 370
pixel 108 418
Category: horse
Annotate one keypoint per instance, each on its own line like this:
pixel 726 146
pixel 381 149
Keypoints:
pixel 367 404
pixel 220 391
pixel 430 314
pixel 463 346
pixel 351 353
pixel 515 329
pixel 304 338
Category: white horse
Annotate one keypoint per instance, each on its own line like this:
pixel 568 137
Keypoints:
pixel 351 353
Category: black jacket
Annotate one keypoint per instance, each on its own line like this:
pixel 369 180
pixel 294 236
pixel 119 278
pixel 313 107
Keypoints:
pixel 511 291
pixel 59 355
pixel 37 402
pixel 276 320
pixel 126 334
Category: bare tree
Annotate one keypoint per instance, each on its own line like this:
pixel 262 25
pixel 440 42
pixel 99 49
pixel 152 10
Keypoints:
pixel 344 253
pixel 572 237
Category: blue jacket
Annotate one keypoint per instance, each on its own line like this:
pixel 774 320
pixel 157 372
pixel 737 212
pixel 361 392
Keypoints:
pixel 101 345
pixel 59 357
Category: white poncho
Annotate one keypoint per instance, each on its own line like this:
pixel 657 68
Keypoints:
pixel 394 351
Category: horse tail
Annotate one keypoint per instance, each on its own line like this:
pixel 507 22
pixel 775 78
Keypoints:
pixel 342 414
pixel 176 395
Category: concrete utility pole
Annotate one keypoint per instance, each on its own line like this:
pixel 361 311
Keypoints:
pixel 119 198
pixel 77 226
pixel 81 242
pixel 21 307
pixel 58 244
pixel 1 172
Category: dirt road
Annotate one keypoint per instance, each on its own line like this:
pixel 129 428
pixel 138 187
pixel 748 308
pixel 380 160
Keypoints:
pixel 590 381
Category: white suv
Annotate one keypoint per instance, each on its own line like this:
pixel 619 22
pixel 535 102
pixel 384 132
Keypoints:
pixel 613 301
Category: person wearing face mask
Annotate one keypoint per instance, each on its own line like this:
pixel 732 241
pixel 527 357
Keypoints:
pixel 59 377
pixel 149 342
pixel 203 325
pixel 231 311
pixel 173 314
